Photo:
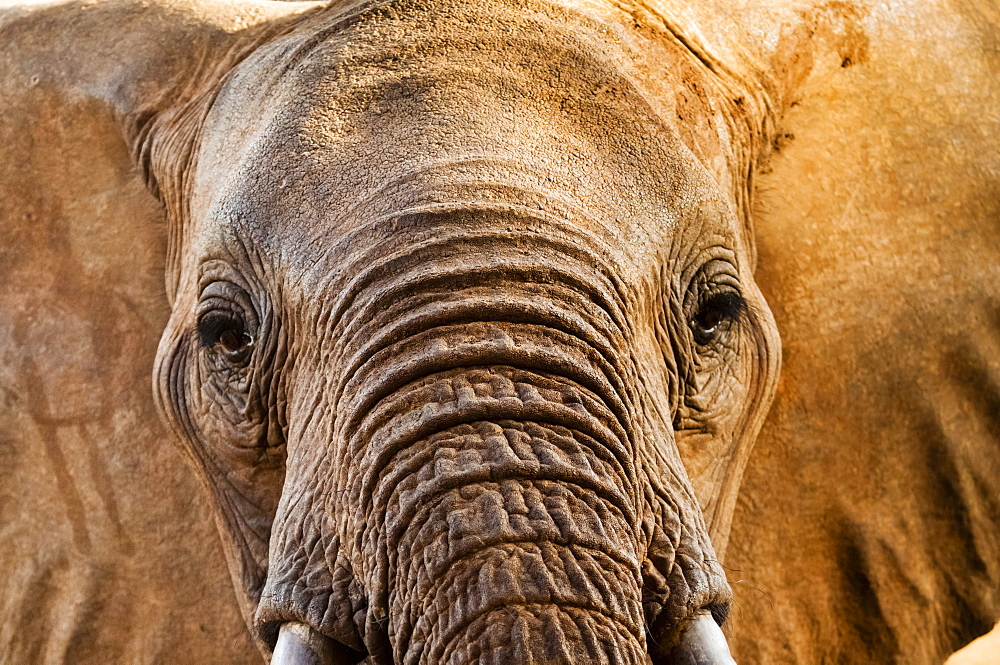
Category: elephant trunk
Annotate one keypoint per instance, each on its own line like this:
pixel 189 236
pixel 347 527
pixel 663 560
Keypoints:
pixel 513 551
pixel 700 642
pixel 502 483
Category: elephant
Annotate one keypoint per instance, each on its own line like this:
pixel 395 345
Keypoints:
pixel 457 313
pixel 432 367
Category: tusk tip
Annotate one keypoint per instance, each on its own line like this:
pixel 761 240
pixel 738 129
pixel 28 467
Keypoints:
pixel 700 642
pixel 299 644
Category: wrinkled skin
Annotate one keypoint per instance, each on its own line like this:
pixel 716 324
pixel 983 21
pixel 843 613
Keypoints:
pixel 472 270
pixel 431 360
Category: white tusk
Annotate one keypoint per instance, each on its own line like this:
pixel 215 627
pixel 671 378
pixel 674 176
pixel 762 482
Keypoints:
pixel 298 644
pixel 701 642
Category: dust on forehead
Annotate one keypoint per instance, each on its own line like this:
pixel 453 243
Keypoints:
pixel 379 108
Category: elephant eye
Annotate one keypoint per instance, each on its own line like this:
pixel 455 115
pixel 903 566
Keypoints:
pixel 716 314
pixel 227 334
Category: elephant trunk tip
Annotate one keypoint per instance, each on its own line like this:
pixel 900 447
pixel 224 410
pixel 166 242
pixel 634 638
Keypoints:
pixel 697 642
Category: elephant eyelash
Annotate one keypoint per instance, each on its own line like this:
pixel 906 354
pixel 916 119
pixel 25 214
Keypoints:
pixel 211 325
pixel 718 310
pixel 720 612
pixel 225 330
pixel 729 304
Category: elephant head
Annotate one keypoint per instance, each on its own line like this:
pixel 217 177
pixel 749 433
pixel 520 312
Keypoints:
pixel 453 285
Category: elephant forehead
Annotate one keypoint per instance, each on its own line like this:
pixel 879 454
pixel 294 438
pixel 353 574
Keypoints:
pixel 378 112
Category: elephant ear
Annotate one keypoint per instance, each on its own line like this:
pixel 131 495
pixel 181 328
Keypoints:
pixel 875 480
pixel 106 545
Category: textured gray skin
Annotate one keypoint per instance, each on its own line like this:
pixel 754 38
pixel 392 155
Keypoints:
pixel 469 264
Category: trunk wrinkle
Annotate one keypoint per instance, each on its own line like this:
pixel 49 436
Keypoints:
pixel 514 436
pixel 575 547
pixel 467 225
pixel 447 311
pixel 441 493
pixel 403 436
pixel 530 542
pixel 440 655
pixel 523 346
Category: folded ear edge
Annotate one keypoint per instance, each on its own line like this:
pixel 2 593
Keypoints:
pixel 156 73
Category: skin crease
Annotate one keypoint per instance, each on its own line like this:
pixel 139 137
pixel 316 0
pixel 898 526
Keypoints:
pixel 786 66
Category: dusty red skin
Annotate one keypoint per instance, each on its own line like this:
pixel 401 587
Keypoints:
pixel 561 192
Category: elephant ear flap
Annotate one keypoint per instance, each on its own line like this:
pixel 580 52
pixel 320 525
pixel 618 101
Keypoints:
pixel 100 98
pixel 87 91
